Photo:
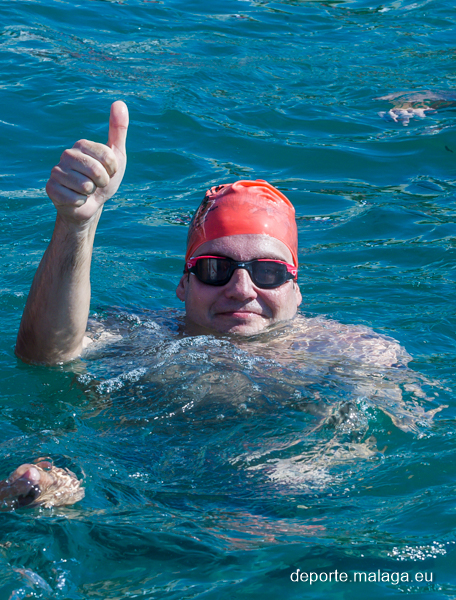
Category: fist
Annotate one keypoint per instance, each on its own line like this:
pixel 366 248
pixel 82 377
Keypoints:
pixel 89 173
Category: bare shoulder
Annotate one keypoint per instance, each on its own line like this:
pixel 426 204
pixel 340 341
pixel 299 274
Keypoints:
pixel 354 342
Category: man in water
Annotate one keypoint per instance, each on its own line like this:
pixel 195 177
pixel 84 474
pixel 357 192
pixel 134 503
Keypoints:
pixel 241 262
pixel 240 267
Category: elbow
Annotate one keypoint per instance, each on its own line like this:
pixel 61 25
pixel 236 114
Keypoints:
pixel 43 354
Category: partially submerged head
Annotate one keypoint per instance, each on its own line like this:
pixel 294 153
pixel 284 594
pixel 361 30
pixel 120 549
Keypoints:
pixel 243 221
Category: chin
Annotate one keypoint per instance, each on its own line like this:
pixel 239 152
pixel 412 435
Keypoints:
pixel 245 327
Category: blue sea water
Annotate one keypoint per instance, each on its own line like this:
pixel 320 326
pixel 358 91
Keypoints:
pixel 208 471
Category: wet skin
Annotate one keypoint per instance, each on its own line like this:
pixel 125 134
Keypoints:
pixel 239 306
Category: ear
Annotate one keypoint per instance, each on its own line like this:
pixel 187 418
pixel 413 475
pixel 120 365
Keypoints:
pixel 181 289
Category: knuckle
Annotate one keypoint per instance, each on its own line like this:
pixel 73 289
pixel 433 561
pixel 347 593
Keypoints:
pixel 108 158
pixel 81 144
pixel 50 189
pixel 98 172
pixel 88 187
pixel 66 154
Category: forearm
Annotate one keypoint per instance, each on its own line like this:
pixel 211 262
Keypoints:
pixel 55 316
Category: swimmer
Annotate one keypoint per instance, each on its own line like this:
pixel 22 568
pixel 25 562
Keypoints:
pixel 249 227
pixel 241 263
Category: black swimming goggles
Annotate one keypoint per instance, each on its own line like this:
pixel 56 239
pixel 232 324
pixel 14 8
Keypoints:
pixel 265 273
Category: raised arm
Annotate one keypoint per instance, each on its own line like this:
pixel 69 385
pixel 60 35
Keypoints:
pixel 54 322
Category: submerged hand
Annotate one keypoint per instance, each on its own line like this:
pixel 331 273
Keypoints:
pixel 404 114
pixel 90 173
pixel 40 484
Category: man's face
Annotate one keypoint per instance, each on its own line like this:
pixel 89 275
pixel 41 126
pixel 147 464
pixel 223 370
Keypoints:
pixel 240 306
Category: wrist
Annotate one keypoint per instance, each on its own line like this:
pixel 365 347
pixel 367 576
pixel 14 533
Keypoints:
pixel 76 228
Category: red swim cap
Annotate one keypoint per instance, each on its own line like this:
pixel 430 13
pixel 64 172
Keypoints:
pixel 240 208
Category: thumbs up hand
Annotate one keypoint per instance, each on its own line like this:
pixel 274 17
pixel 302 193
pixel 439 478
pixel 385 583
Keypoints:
pixel 90 173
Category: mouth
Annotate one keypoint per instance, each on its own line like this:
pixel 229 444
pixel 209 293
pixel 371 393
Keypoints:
pixel 240 314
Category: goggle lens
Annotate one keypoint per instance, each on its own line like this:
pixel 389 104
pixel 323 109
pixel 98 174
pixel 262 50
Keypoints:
pixel 265 273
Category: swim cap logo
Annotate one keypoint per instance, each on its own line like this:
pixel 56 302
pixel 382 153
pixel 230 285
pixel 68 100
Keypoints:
pixel 206 206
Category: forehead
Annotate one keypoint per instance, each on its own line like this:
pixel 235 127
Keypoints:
pixel 247 247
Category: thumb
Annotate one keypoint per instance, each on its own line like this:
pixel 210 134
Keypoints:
pixel 118 126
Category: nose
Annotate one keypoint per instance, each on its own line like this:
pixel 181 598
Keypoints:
pixel 240 286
